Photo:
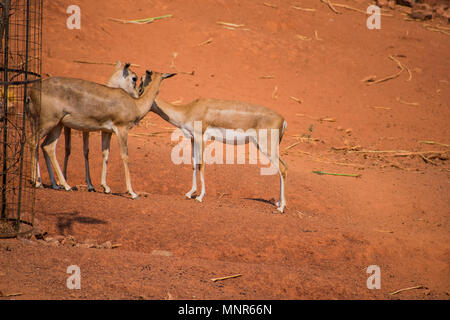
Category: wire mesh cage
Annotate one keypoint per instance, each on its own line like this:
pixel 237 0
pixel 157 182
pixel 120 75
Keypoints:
pixel 20 68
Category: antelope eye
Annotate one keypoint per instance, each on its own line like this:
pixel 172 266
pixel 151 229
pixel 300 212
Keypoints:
pixel 134 79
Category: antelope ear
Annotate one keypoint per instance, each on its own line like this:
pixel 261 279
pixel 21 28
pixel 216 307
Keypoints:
pixel 125 69
pixel 118 65
pixel 168 75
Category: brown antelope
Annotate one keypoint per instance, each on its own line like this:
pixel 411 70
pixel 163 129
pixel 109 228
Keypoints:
pixel 123 78
pixel 88 106
pixel 231 121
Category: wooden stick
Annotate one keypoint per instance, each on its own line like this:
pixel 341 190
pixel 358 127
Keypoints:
pixel 304 38
pixel 404 102
pixel 337 174
pixel 369 83
pixel 270 5
pixel 228 24
pixel 358 10
pixel 433 142
pixel 330 5
pixel 226 278
pixel 303 9
pixel 274 93
pixel 384 231
pixel 104 63
pixel 316 34
pixel 205 42
pixel 405 289
pixel 292 145
pixel 13 294
pixel 141 21
pixel 296 99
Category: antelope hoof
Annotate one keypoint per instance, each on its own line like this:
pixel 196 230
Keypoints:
pixel 199 199
pixel 281 209
pixel 91 189
pixel 68 188
pixel 134 195
pixel 188 195
pixel 106 189
pixel 37 184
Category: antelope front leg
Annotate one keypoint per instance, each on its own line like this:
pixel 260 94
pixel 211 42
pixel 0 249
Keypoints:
pixel 106 142
pixel 49 148
pixel 122 138
pixel 33 144
pixel 194 175
pixel 200 148
pixel 67 147
pixel 283 176
pixel 86 160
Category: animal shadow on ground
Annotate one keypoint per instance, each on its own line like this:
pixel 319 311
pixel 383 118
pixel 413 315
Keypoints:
pixel 66 220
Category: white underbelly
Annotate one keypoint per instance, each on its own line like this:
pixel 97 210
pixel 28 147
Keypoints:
pixel 229 136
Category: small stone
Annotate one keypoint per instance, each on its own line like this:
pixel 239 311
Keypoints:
pixel 163 253
pixel 106 245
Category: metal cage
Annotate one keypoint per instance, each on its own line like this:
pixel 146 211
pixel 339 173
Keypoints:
pixel 20 56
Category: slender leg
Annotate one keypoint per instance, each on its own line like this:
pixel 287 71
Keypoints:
pixel 49 166
pixel 38 180
pixel 106 142
pixel 276 160
pixel 122 138
pixel 86 160
pixel 200 147
pixel 194 175
pixel 33 143
pixel 67 146
pixel 202 180
pixel 49 148
pixel 282 167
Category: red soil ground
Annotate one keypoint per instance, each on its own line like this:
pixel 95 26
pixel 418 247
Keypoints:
pixel 394 216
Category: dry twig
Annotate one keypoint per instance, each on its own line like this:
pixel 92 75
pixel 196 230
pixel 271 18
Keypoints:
pixel 303 9
pixel 297 99
pixel 270 5
pixel 331 6
pixel 406 289
pixel 103 63
pixel 141 21
pixel 226 278
pixel 372 81
pixel 205 42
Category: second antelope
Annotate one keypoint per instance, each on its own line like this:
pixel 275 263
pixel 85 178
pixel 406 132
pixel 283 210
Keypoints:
pixel 245 121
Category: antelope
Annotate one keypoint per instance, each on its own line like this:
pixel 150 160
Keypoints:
pixel 243 120
pixel 123 77
pixel 88 106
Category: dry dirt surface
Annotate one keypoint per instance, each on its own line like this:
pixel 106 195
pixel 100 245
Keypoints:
pixel 319 69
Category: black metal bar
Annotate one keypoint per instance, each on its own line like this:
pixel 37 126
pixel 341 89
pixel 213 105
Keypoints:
pixel 23 136
pixel 6 6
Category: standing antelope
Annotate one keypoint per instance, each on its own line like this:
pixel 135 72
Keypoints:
pixel 88 106
pixel 241 120
pixel 124 78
